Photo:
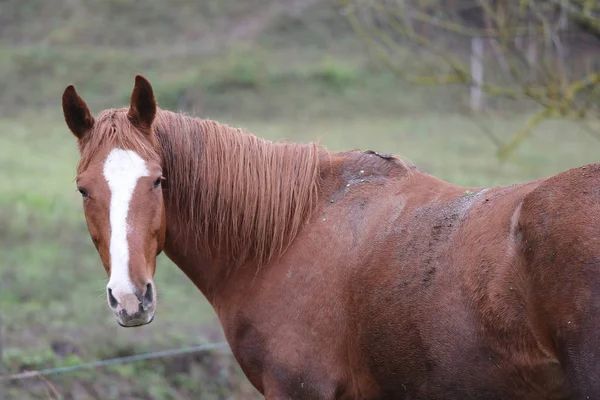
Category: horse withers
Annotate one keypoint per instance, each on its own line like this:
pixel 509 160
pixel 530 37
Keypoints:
pixel 348 275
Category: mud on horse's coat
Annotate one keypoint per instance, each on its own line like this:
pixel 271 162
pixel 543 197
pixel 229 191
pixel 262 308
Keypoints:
pixel 347 275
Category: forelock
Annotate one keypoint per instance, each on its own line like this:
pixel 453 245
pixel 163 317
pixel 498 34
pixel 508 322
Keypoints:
pixel 112 129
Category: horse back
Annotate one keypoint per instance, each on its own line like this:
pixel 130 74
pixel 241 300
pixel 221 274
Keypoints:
pixel 498 295
pixel 441 295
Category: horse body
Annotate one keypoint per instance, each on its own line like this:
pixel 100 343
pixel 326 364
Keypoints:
pixel 411 296
pixel 354 275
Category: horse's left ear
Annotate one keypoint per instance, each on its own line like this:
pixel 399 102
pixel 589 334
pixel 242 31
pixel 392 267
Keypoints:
pixel 142 109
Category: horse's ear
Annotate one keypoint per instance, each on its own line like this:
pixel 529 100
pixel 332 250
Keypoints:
pixel 142 109
pixel 76 112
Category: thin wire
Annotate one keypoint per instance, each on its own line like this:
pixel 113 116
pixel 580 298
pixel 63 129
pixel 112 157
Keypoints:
pixel 115 361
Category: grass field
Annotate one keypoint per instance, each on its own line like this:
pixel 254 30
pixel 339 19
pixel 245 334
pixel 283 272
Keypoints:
pixel 53 284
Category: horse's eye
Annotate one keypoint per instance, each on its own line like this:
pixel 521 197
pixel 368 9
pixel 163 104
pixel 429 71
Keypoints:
pixel 83 192
pixel 156 183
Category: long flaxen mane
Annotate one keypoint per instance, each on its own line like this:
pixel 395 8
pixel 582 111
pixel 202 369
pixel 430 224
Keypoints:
pixel 246 196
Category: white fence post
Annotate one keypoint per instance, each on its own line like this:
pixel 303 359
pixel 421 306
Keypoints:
pixel 477 73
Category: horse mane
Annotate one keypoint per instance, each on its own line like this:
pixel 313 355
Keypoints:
pixel 243 195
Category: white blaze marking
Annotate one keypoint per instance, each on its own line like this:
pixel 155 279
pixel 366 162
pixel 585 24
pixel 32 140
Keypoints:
pixel 122 170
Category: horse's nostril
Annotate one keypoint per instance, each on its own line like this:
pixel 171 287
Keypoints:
pixel 111 299
pixel 148 296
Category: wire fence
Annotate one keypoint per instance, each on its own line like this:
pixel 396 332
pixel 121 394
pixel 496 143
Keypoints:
pixel 115 361
pixel 208 347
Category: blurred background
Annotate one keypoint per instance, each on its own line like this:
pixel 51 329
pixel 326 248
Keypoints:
pixel 477 92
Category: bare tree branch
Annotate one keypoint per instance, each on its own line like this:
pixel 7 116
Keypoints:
pixel 543 71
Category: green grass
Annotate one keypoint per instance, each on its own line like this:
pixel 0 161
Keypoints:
pixel 245 82
pixel 186 53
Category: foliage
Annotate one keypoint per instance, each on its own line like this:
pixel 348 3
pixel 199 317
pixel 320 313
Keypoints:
pixel 540 51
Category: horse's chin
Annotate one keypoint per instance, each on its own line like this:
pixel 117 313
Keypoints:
pixel 134 323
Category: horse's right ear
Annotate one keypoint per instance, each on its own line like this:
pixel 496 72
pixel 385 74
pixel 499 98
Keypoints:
pixel 77 114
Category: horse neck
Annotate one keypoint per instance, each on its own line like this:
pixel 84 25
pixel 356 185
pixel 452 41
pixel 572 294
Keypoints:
pixel 231 198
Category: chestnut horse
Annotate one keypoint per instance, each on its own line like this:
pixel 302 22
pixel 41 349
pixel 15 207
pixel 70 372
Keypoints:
pixel 347 275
